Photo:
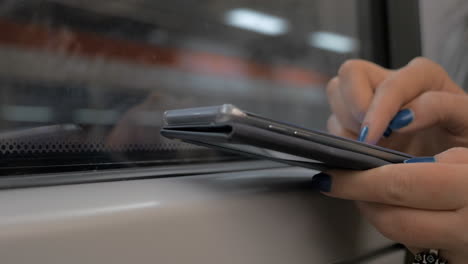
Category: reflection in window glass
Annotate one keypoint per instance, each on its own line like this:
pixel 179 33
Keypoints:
pixel 84 83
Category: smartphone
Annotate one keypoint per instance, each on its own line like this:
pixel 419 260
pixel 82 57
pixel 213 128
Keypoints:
pixel 229 128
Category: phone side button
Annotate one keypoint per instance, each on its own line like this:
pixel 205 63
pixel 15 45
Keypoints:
pixel 278 129
pixel 299 134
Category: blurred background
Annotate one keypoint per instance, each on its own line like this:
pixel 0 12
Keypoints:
pixel 84 84
pixel 87 82
pixel 445 36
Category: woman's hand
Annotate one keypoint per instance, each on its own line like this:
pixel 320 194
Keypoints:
pixel 422 205
pixel 419 108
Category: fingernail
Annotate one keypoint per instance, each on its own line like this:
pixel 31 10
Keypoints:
pixel 363 134
pixel 322 182
pixel 388 132
pixel 401 119
pixel 421 160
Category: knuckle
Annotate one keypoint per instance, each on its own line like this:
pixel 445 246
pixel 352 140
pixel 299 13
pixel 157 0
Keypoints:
pixel 425 62
pixel 350 66
pixel 452 152
pixel 398 186
pixel 392 226
pixel 428 64
pixel 358 106
pixel 389 231
pixel 331 124
pixel 419 61
pixel 332 86
pixel 433 100
pixel 430 97
pixel 335 127
pixel 456 151
pixel 358 110
pixel 444 108
pixel 460 238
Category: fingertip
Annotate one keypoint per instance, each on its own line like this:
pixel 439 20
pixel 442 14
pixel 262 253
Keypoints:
pixel 457 155
pixel 363 134
pixel 388 132
pixel 402 119
pixel 421 160
pixel 322 182
pixel 367 135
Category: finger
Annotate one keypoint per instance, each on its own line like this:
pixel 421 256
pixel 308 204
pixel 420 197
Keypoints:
pixel 419 228
pixel 362 207
pixel 358 80
pixel 419 76
pixel 335 128
pixel 431 186
pixel 434 108
pixel 453 156
pixel 339 106
pixel 457 155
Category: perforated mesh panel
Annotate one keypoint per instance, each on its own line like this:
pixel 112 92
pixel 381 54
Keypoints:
pixel 70 147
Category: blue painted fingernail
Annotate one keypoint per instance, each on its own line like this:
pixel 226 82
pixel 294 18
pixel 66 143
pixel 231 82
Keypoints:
pixel 401 119
pixel 421 160
pixel 388 132
pixel 322 182
pixel 363 134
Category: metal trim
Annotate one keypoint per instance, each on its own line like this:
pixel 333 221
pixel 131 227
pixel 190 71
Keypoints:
pixel 52 179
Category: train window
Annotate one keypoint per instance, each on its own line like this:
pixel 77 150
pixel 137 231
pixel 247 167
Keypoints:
pixel 84 84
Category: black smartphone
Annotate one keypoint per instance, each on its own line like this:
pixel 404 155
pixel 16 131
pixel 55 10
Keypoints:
pixel 229 128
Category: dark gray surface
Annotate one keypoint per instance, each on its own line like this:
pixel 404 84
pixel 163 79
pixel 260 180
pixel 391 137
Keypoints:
pixel 404 31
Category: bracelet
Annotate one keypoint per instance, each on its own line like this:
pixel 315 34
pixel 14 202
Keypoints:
pixel 430 256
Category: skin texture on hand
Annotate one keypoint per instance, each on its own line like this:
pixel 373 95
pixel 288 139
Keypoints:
pixel 422 205
pixel 367 95
pixel 422 112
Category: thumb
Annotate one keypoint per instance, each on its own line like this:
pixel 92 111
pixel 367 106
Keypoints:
pixel 442 109
pixel 454 155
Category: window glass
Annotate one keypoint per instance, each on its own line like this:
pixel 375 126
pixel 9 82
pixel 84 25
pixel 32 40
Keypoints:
pixel 84 84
